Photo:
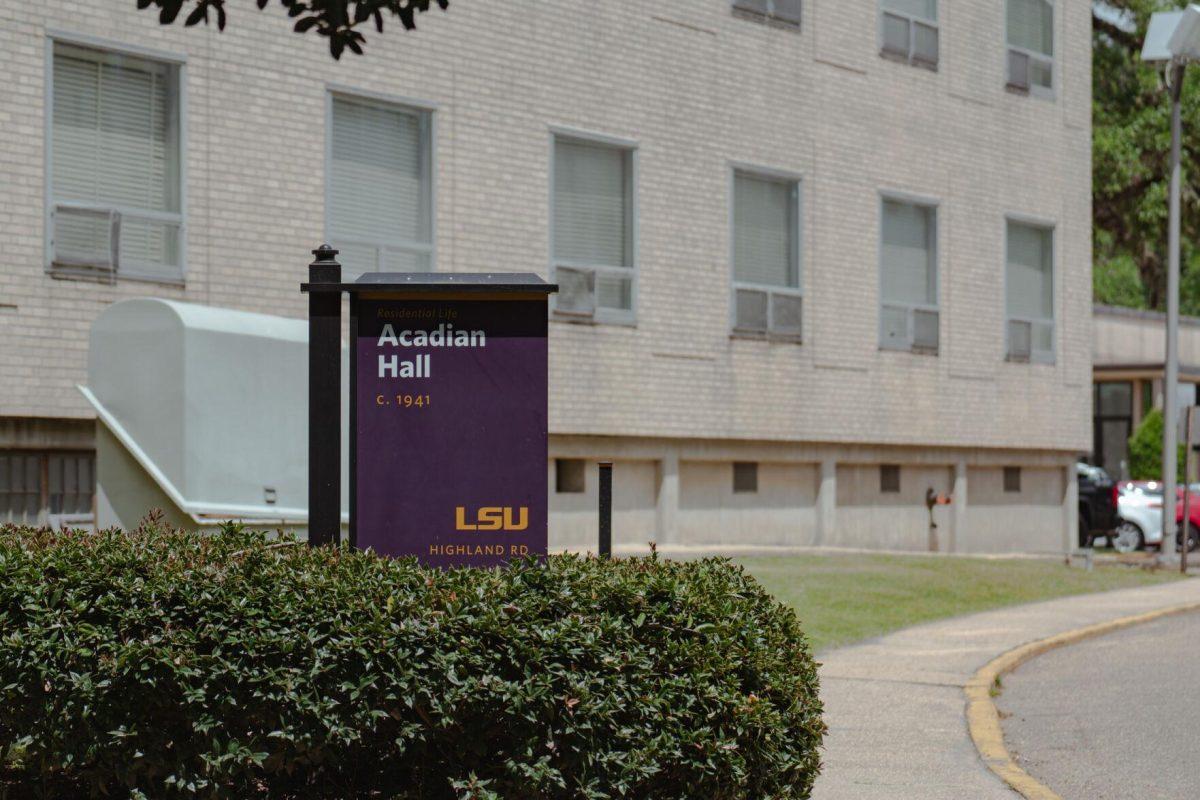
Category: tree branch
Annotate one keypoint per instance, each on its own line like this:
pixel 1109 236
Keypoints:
pixel 1119 36
pixel 336 20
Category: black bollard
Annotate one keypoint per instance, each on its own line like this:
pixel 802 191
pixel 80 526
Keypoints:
pixel 606 509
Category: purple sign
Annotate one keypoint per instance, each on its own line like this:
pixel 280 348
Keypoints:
pixel 449 427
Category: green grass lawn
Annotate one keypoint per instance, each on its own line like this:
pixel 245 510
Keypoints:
pixel 844 598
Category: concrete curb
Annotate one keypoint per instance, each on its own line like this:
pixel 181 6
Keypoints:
pixel 983 719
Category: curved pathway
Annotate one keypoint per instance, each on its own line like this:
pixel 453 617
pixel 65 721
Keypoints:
pixel 1113 717
pixel 895 705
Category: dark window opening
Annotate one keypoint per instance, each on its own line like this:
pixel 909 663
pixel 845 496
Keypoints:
pixel 745 477
pixel 569 475
pixel 1012 479
pixel 889 478
pixel 1112 420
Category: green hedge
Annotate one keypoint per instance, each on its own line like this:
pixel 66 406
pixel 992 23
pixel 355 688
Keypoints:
pixel 158 664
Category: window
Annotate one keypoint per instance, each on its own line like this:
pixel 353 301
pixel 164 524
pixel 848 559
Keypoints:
pixel 889 478
pixel 909 31
pixel 380 210
pixel 1112 423
pixel 1030 39
pixel 115 170
pixel 785 11
pixel 569 475
pixel 1012 480
pixel 745 477
pixel 766 256
pixel 36 486
pixel 908 279
pixel 1029 292
pixel 592 230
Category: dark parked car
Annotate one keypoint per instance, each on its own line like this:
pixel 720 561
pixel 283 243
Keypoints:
pixel 1097 503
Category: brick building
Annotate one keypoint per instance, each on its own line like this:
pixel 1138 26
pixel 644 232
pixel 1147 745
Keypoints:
pixel 1128 365
pixel 817 258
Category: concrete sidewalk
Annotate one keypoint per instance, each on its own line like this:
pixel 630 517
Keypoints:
pixel 895 705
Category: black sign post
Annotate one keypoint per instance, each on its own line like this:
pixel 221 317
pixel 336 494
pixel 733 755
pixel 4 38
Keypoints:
pixel 324 397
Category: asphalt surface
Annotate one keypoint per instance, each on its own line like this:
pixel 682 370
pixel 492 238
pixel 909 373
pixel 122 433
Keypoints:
pixel 895 705
pixel 1113 717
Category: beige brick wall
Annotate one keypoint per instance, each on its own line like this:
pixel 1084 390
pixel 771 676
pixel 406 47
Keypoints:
pixel 698 89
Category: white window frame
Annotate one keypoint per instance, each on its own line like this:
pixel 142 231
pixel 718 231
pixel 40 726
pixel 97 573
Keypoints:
pixel 598 315
pixel 911 20
pixel 935 239
pixel 797 181
pixel 1034 89
pixel 427 111
pixel 178 61
pixel 1035 356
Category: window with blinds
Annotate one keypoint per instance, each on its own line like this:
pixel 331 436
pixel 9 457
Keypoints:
pixel 908 31
pixel 766 256
pixel 47 488
pixel 1030 40
pixel 592 230
pixel 115 167
pixel 1029 292
pixel 380 213
pixel 908 277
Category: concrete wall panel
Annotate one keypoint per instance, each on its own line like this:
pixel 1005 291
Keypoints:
pixel 574 518
pixel 781 512
pixel 868 517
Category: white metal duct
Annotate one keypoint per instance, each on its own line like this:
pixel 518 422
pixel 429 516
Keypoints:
pixel 211 402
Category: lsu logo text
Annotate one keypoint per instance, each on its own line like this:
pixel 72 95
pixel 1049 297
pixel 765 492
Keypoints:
pixel 492 518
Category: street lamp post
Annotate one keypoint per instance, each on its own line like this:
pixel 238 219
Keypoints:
pixel 1172 39
pixel 1171 373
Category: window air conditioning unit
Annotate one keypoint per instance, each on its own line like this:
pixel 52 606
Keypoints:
pixel 750 311
pixel 762 312
pixel 925 330
pixel 1018 70
pixel 1020 340
pixel 895 36
pixel 86 241
pixel 786 315
pixel 576 292
pixel 752 6
pixel 925 45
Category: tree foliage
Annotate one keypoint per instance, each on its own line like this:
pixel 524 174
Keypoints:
pixel 340 21
pixel 1146 449
pixel 1131 142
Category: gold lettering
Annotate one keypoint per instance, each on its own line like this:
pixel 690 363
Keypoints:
pixel 523 522
pixel 460 521
pixel 491 518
